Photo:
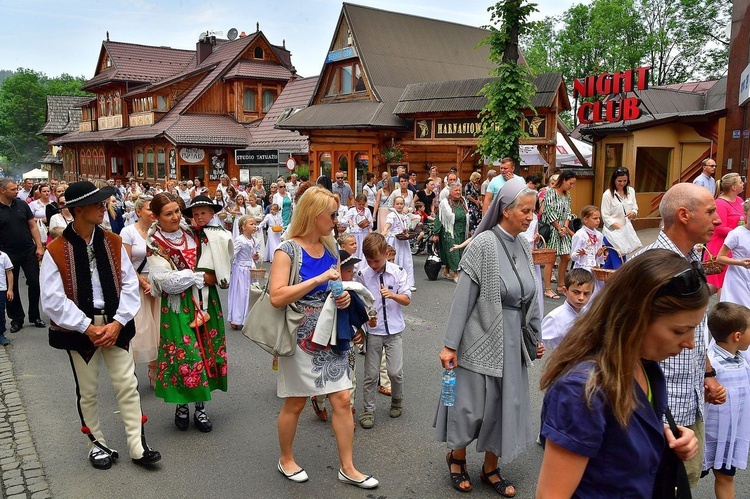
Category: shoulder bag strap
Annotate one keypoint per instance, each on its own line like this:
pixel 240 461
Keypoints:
pixel 622 205
pixel 524 304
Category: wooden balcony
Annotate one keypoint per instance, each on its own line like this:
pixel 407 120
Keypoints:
pixel 145 118
pixel 110 122
pixel 87 126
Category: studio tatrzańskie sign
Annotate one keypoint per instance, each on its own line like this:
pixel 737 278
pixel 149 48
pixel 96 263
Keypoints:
pixel 256 157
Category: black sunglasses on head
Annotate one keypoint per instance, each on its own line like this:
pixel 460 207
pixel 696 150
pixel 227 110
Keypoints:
pixel 622 171
pixel 686 283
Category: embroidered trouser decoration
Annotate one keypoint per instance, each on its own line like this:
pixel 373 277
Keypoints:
pixel 121 370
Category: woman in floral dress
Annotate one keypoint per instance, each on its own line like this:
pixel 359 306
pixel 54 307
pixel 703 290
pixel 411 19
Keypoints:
pixel 451 229
pixel 192 356
pixel 473 201
pixel 557 214
pixel 312 370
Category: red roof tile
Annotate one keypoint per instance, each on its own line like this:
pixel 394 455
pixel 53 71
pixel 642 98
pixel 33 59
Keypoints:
pixel 296 94
pixel 141 63
pixel 203 129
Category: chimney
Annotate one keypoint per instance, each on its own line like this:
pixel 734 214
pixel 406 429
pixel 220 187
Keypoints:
pixel 204 48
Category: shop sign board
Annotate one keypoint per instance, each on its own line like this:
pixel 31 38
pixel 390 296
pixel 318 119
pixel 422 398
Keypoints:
pixel 606 84
pixel 745 86
pixel 192 154
pixel 256 157
pixel 341 54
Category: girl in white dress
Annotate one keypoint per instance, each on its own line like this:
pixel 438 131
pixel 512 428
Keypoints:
pixel 587 246
pixel 255 210
pixel 396 223
pixel 359 222
pixel 272 223
pixel 239 210
pixel 246 256
pixel 737 281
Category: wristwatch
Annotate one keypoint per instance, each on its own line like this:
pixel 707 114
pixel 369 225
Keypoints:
pixel 710 374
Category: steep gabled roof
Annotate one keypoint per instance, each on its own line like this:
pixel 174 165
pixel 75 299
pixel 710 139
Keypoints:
pixel 296 94
pixel 63 114
pixel 395 50
pixel 264 70
pixel 132 62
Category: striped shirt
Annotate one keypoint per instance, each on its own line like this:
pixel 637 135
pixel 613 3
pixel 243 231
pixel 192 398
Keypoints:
pixel 684 372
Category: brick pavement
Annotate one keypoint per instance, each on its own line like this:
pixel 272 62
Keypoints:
pixel 21 472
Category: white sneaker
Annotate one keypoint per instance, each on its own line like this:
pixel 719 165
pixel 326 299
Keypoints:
pixel 413 288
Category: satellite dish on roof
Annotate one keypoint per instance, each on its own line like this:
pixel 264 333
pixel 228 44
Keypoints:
pixel 232 34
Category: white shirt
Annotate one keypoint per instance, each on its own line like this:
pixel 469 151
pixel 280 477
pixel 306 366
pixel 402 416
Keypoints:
pixel 352 218
pixel 185 195
pixel 132 237
pixel 615 207
pixel 408 197
pixel 556 325
pixel 5 264
pixel 57 220
pixel 38 208
pixel 370 191
pixel 66 314
pixel 589 240
pixel 23 194
pixel 394 278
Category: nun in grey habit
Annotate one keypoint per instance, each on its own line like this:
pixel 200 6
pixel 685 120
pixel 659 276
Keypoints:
pixel 484 344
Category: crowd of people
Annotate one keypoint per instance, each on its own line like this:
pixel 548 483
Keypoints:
pixel 619 364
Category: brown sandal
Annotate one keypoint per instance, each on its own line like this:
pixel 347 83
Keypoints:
pixel 458 478
pixel 501 486
pixel 385 391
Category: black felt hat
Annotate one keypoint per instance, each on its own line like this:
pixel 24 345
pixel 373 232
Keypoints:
pixel 86 193
pixel 346 259
pixel 199 201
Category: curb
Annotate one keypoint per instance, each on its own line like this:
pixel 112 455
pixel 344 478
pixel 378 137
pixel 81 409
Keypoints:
pixel 21 472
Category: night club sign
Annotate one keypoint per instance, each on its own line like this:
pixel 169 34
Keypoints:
pixel 606 84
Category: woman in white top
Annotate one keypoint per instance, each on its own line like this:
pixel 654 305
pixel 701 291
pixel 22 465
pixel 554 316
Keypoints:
pixel 134 237
pixel 383 202
pixel 59 221
pixel 284 201
pixel 619 205
pixel 272 223
pixel 402 190
pixel 39 206
pixel 371 191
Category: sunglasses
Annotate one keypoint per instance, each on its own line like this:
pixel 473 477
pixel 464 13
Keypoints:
pixel 686 283
pixel 339 178
pixel 622 171
pixel 334 215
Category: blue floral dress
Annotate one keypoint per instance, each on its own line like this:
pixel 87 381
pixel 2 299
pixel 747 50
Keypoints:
pixel 312 370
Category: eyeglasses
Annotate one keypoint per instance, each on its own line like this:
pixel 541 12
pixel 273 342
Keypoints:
pixel 282 187
pixel 686 283
pixel 339 178
pixel 334 215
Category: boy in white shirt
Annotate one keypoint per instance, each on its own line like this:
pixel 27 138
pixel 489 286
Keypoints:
pixel 388 283
pixel 6 292
pixel 578 288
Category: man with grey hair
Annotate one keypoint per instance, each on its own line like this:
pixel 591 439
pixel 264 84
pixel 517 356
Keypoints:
pixel 689 216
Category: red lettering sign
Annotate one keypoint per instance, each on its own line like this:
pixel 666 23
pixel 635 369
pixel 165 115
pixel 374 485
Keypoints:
pixel 611 84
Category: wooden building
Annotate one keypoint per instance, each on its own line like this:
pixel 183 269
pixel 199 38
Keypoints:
pixel 396 82
pixel 63 116
pixel 681 125
pixel 162 113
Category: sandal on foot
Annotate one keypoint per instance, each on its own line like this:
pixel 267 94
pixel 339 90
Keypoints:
pixel 501 486
pixel 321 413
pixel 385 391
pixel 551 294
pixel 560 290
pixel 462 476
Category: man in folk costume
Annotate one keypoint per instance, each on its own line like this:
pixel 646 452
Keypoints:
pixel 90 294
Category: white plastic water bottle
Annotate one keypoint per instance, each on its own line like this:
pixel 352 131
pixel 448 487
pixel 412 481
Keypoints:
pixel 337 287
pixel 448 393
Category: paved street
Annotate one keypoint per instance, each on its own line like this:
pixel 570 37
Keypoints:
pixel 238 459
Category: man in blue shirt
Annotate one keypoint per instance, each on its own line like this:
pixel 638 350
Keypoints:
pixel 507 168
pixel 706 178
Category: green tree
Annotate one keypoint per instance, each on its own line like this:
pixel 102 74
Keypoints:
pixel 686 40
pixel 512 89
pixel 23 105
pixel 22 112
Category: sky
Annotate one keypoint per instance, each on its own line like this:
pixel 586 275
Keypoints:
pixel 55 37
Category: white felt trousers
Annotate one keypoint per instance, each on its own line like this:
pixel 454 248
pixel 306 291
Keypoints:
pixel 121 369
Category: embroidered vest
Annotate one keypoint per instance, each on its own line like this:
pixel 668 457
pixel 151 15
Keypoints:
pixel 61 251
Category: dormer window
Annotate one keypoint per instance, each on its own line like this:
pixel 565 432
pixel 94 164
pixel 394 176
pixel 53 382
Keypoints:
pixel 258 53
pixel 345 79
